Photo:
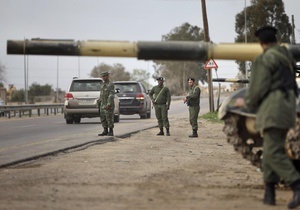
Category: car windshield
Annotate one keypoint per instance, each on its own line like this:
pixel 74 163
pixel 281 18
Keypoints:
pixel 86 85
pixel 127 87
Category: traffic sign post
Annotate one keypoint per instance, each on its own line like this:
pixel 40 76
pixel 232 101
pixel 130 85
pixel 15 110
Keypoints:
pixel 211 64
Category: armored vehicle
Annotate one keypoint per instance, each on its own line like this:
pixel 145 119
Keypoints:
pixel 239 124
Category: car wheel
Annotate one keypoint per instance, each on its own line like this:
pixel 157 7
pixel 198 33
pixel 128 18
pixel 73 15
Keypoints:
pixel 77 120
pixel 149 114
pixel 69 121
pixel 117 118
pixel 143 116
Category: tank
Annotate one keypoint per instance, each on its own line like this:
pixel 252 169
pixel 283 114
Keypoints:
pixel 239 127
pixel 143 50
pixel 238 123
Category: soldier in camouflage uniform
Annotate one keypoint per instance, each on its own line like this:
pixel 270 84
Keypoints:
pixel 271 94
pixel 107 105
pixel 193 102
pixel 161 99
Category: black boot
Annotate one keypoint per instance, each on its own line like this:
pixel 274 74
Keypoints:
pixel 195 134
pixel 269 198
pixel 104 133
pixel 168 131
pixel 161 132
pixel 296 198
pixel 110 132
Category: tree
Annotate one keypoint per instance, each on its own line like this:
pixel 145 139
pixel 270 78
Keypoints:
pixel 19 95
pixel 262 13
pixel 117 71
pixel 39 90
pixel 142 76
pixel 175 72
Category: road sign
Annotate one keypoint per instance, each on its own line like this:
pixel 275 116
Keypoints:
pixel 211 64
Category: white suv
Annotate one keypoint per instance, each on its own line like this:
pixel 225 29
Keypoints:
pixel 81 100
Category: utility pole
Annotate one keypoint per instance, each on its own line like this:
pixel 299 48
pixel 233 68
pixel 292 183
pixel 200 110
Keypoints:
pixel 246 71
pixel 209 74
pixel 25 73
pixel 293 31
pixel 57 76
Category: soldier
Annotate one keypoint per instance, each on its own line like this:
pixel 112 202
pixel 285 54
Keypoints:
pixel 161 102
pixel 272 92
pixel 107 105
pixel 193 102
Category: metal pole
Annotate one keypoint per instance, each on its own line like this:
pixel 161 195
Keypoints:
pixel 246 72
pixel 27 73
pixel 209 74
pixel 57 79
pixel 78 67
pixel 24 71
pixel 293 31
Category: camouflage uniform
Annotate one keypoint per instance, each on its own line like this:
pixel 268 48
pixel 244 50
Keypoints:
pixel 275 108
pixel 275 112
pixel 161 102
pixel 107 105
pixel 193 101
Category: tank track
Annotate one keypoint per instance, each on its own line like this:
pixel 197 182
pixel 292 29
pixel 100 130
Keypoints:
pixel 292 144
pixel 249 146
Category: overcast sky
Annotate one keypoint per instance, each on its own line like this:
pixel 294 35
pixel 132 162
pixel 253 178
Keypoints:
pixel 125 20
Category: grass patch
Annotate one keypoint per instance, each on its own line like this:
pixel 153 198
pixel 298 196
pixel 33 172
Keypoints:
pixel 211 117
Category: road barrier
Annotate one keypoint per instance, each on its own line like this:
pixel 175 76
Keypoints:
pixel 30 109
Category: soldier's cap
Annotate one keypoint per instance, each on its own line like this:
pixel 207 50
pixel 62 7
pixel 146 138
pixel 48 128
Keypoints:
pixel 105 73
pixel 266 34
pixel 191 79
pixel 160 79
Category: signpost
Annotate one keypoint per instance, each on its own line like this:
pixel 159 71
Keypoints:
pixel 211 64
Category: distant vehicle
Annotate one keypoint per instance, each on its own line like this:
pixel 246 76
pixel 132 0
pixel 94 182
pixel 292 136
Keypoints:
pixel 81 100
pixel 134 98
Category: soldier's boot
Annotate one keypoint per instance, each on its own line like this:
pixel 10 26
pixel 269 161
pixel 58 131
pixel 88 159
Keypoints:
pixel 296 198
pixel 104 133
pixel 194 134
pixel 269 198
pixel 161 132
pixel 168 131
pixel 110 132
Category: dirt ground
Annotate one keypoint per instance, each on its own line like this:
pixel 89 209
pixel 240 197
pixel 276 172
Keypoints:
pixel 143 171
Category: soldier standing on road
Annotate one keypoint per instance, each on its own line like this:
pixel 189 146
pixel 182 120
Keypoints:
pixel 107 105
pixel 161 99
pixel 271 94
pixel 193 102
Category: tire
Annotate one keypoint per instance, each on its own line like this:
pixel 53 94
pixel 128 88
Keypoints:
pixel 149 114
pixel 69 121
pixel 144 115
pixel 117 118
pixel 77 120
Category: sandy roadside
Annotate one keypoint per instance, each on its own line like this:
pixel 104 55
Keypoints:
pixel 144 171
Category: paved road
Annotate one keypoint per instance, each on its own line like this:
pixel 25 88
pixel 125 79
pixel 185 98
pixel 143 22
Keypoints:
pixel 28 138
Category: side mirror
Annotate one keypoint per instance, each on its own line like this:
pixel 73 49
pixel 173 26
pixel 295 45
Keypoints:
pixel 117 90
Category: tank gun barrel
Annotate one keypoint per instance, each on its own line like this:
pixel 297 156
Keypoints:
pixel 234 80
pixel 143 50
